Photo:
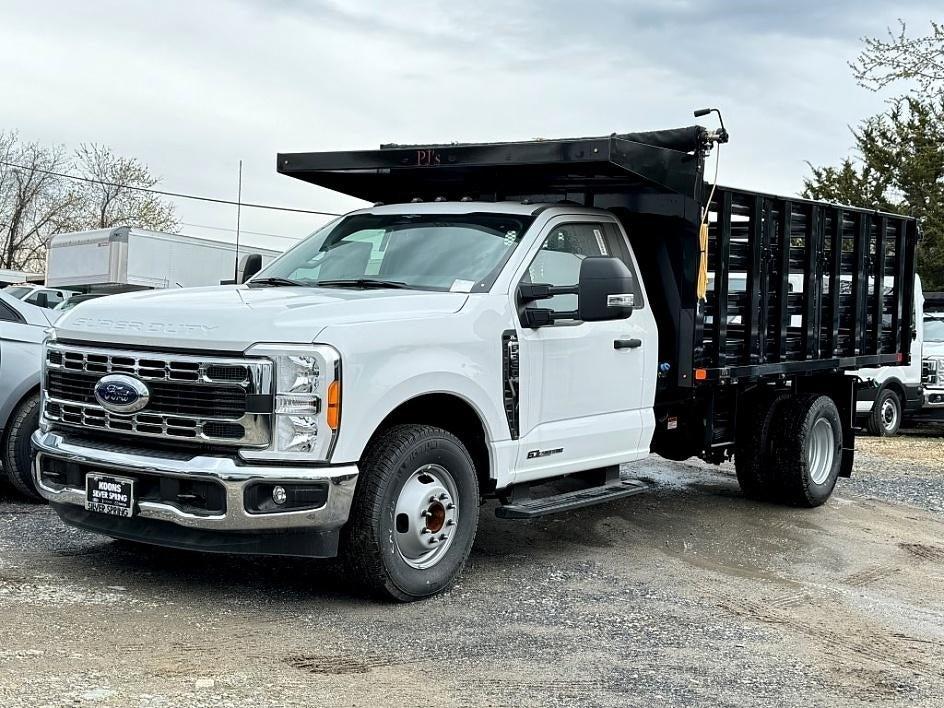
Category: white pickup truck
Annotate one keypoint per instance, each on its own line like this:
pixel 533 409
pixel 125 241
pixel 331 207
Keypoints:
pixel 477 337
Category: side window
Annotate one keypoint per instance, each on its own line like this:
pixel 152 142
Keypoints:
pixel 8 314
pixel 558 261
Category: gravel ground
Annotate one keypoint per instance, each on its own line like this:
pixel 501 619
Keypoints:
pixel 690 595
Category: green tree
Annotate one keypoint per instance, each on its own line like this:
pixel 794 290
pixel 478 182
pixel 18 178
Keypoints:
pixel 898 160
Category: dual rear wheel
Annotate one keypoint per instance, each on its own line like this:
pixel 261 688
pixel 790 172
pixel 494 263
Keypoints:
pixel 789 448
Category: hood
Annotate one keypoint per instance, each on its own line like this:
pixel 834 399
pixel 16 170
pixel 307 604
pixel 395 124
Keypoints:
pixel 231 318
pixel 932 349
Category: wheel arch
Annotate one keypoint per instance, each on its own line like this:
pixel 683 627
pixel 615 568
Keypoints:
pixel 450 412
pixel 893 384
pixel 447 409
pixel 15 398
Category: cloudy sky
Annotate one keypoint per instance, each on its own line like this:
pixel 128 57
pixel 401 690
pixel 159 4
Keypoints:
pixel 191 87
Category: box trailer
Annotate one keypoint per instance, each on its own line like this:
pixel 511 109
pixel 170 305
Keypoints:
pixel 126 258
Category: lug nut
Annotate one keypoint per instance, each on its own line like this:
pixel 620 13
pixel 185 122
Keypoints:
pixel 450 522
pixel 450 506
pixel 425 530
pixel 442 537
pixel 432 500
pixel 425 513
pixel 443 496
pixel 432 541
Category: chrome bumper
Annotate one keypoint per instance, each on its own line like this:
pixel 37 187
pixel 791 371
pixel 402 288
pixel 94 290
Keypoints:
pixel 933 397
pixel 234 478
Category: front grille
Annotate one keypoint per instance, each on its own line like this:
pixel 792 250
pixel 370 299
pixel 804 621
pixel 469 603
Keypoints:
pixel 206 401
pixel 225 401
pixel 931 372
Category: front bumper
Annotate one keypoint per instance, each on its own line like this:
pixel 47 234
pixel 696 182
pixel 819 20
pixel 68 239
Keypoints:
pixel 168 524
pixel 934 398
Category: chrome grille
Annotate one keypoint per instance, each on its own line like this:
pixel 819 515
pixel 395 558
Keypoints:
pixel 931 371
pixel 209 400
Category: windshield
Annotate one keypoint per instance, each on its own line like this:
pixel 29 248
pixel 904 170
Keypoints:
pixel 457 252
pixel 933 329
pixel 18 291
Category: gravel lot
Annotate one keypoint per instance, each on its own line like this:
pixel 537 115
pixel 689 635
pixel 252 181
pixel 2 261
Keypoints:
pixel 690 595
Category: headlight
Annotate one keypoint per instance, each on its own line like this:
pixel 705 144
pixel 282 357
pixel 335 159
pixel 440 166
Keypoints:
pixel 307 407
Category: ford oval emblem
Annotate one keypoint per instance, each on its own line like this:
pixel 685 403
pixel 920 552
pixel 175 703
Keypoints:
pixel 121 394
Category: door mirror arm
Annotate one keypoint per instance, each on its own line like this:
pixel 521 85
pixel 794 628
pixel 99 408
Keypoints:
pixel 531 292
pixel 534 317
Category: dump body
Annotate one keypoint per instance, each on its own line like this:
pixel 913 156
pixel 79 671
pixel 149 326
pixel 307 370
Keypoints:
pixel 654 183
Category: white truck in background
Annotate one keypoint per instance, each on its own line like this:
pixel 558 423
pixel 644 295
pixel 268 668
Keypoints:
pixel 894 395
pixel 124 258
pixel 932 374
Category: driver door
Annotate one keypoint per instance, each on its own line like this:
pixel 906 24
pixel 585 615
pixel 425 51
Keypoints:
pixel 586 388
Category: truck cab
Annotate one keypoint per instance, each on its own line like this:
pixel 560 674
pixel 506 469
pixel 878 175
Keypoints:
pixel 479 335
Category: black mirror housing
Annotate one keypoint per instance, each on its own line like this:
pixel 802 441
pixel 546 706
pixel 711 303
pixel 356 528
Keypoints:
pixel 251 265
pixel 607 289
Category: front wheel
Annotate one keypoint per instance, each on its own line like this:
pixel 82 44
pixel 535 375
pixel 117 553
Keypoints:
pixel 414 514
pixel 885 418
pixel 17 453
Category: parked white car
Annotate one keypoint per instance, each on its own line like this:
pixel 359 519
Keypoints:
pixel 22 328
pixel 39 295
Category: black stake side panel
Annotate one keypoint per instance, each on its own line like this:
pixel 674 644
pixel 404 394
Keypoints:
pixel 804 286
pixel 794 285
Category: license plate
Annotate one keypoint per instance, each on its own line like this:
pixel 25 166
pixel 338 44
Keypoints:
pixel 110 495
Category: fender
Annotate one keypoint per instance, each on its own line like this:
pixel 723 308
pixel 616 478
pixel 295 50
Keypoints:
pixel 359 424
pixel 15 396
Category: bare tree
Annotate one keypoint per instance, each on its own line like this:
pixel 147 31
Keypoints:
pixel 115 196
pixel 903 58
pixel 34 203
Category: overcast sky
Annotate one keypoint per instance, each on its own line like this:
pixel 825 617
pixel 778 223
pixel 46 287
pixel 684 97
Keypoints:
pixel 192 87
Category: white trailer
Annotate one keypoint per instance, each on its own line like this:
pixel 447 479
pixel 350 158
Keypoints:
pixel 125 258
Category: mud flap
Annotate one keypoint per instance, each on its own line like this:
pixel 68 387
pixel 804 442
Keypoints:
pixel 845 465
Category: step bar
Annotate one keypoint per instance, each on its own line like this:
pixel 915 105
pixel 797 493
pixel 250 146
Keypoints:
pixel 520 505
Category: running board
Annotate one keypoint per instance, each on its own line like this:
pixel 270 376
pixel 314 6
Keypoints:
pixel 531 508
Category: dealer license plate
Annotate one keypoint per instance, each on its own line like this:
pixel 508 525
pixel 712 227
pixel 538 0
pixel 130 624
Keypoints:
pixel 110 495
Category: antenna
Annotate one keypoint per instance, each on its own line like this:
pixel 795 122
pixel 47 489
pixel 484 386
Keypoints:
pixel 239 205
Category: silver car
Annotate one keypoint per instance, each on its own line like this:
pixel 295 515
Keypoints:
pixel 22 328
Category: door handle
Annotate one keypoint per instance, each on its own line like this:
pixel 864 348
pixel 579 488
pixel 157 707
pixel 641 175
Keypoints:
pixel 627 343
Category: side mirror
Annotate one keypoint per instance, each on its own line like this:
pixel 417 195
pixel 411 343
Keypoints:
pixel 607 289
pixel 42 299
pixel 251 265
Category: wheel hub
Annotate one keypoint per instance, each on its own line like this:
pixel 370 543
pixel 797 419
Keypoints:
pixel 889 415
pixel 426 516
pixel 821 451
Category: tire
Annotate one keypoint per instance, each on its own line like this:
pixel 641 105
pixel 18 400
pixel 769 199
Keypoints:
pixel 885 418
pixel 17 453
pixel 752 460
pixel 382 544
pixel 807 450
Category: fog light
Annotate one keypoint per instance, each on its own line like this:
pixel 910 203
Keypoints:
pixel 278 495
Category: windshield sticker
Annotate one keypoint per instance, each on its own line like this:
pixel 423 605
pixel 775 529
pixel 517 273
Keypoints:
pixel 600 243
pixel 462 286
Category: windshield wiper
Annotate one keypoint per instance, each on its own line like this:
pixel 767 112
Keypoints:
pixel 363 283
pixel 276 282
